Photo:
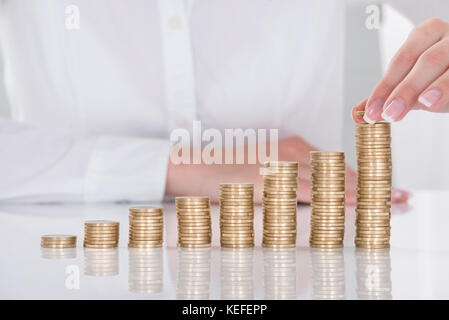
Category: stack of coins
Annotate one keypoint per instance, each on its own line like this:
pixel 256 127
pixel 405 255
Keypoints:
pixel 146 227
pixel 237 215
pixel 373 142
pixel 279 204
pixel 328 267
pixel 327 223
pixel 194 222
pixel 58 241
pixel 145 270
pixel 101 234
pixel 101 263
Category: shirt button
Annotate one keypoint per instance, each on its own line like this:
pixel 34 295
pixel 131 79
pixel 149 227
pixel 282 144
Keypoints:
pixel 175 22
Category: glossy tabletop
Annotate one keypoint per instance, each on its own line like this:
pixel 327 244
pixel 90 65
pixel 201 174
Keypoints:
pixel 416 266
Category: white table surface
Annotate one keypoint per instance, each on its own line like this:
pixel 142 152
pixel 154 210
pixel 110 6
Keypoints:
pixel 416 267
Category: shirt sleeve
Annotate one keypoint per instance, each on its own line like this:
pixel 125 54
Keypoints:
pixel 50 165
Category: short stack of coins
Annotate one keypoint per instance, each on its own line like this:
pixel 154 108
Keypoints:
pixel 279 204
pixel 237 215
pixel 146 227
pixel 327 222
pixel 101 234
pixel 58 241
pixel 194 222
pixel 373 143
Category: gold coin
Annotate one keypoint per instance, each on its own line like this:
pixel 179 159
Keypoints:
pixel 146 245
pixel 146 209
pixel 101 223
pixel 100 246
pixel 58 246
pixel 59 237
pixel 279 246
pixel 328 246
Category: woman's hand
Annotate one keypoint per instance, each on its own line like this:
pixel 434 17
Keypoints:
pixel 202 179
pixel 417 77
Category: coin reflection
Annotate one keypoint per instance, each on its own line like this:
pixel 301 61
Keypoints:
pixel 145 270
pixel 193 273
pixel 328 274
pixel 58 253
pixel 373 274
pixel 279 273
pixel 101 262
pixel 237 274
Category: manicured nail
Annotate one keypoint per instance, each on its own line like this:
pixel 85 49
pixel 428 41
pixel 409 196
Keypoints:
pixel 394 110
pixel 373 111
pixel 430 97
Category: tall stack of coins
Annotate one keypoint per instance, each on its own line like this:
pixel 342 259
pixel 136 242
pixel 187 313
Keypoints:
pixel 237 215
pixel 279 204
pixel 146 227
pixel 373 142
pixel 327 199
pixel 194 222
pixel 101 234
pixel 58 241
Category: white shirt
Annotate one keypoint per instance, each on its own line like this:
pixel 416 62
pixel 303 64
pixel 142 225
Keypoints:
pixel 93 107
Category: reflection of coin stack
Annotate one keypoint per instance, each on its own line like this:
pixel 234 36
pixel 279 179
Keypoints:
pixel 328 274
pixel 194 222
pixel 146 227
pixel 279 273
pixel 237 215
pixel 58 241
pixel 101 263
pixel 193 274
pixel 374 185
pixel 62 253
pixel 373 274
pixel 279 204
pixel 145 270
pixel 101 234
pixel 237 274
pixel 327 199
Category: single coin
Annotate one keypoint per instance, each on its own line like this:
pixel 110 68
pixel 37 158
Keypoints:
pixel 101 223
pixel 100 246
pixel 145 209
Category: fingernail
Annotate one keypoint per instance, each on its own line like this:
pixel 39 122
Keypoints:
pixel 430 97
pixel 373 111
pixel 394 110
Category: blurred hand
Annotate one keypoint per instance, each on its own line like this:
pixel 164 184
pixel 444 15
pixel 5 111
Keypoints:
pixel 417 77
pixel 202 179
